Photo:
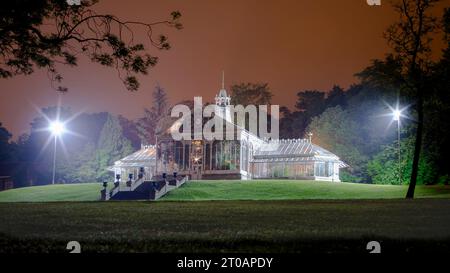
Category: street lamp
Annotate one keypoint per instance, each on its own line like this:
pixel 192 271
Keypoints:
pixel 57 129
pixel 396 115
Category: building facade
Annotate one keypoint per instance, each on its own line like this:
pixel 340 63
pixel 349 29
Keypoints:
pixel 247 157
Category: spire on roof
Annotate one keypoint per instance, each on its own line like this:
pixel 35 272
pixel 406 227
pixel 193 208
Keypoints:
pixel 223 79
pixel 222 92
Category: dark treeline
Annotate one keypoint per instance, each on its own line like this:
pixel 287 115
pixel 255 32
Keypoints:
pixel 92 143
pixel 97 140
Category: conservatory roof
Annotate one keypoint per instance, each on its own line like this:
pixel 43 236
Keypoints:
pixel 284 159
pixel 145 156
pixel 293 150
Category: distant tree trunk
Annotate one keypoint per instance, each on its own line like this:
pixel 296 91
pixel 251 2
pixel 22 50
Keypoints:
pixel 417 146
pixel 410 39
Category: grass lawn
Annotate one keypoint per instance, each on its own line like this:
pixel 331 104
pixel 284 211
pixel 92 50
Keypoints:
pixel 234 216
pixel 50 193
pixel 336 226
pixel 233 190
pixel 296 190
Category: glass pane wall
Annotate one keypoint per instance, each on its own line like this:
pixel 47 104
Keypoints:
pixel 225 155
pixel 283 169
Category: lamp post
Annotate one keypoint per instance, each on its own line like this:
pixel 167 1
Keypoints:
pixel 396 113
pixel 56 128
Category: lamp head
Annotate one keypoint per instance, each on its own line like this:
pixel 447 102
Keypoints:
pixel 396 114
pixel 57 128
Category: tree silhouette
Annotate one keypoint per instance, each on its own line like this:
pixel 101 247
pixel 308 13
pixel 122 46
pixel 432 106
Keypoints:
pixel 44 33
pixel 409 67
pixel 147 125
pixel 410 38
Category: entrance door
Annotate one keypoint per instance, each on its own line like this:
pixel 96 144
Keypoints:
pixel 197 172
pixel 197 159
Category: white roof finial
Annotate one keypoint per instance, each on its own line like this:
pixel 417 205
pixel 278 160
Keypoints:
pixel 223 79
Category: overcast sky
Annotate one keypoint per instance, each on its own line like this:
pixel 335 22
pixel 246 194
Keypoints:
pixel 292 45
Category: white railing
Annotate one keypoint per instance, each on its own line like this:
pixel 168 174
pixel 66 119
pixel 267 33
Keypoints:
pixel 124 187
pixel 114 191
pixel 167 188
pixel 161 192
pixel 136 184
pixel 157 194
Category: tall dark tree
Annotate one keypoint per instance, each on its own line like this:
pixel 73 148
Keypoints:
pixel 43 33
pixel 147 125
pixel 292 123
pixel 410 38
pixel 160 103
pixel 312 103
pixel 335 97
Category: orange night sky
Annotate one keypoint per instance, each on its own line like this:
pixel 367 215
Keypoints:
pixel 292 45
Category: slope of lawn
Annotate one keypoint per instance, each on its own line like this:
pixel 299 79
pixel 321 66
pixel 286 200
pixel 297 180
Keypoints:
pixel 300 189
pixel 49 193
pixel 232 190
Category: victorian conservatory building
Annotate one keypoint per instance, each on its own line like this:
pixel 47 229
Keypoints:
pixel 248 157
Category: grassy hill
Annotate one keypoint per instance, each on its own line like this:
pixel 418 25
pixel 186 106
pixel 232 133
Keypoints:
pixel 50 193
pixel 295 190
pixel 233 190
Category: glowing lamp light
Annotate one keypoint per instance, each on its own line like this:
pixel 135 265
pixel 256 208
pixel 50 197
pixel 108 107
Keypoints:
pixel 396 114
pixel 57 128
